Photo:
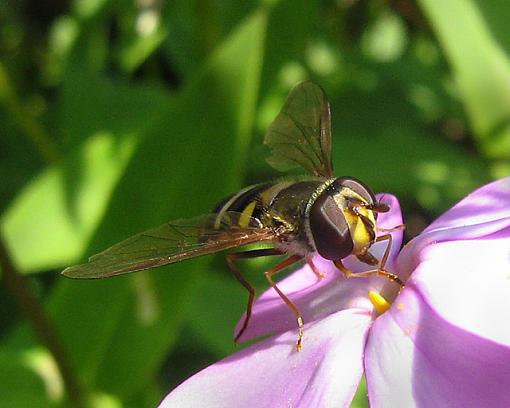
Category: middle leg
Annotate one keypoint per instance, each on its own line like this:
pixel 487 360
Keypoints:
pixel 269 275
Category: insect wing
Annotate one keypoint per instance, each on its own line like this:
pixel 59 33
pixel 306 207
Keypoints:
pixel 172 242
pixel 301 133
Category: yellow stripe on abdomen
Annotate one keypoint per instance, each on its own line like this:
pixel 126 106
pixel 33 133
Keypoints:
pixel 245 218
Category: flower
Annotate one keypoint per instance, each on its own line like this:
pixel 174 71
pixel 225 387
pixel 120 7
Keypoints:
pixel 444 342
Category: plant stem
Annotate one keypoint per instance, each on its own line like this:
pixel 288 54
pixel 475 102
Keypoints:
pixel 40 323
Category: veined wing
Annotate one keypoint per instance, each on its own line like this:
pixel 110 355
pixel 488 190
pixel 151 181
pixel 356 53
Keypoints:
pixel 172 242
pixel 301 133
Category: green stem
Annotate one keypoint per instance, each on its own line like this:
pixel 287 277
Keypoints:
pixel 40 323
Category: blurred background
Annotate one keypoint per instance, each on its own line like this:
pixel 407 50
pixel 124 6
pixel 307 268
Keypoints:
pixel 117 116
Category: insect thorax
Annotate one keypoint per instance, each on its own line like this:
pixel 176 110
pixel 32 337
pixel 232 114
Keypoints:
pixel 282 205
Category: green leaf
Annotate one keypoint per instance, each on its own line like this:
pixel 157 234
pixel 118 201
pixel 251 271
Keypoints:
pixel 480 65
pixel 25 382
pixel 51 221
pixel 104 121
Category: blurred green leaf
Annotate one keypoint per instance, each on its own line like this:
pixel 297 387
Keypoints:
pixel 104 121
pixel 22 382
pixel 481 68
pixel 49 233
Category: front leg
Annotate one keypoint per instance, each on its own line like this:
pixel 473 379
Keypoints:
pixel 370 259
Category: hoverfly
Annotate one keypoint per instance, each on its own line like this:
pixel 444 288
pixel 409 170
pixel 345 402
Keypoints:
pixel 334 217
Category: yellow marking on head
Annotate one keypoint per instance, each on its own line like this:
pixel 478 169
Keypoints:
pixel 244 219
pixel 379 302
pixel 360 234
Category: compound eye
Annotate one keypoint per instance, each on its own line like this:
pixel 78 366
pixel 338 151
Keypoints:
pixel 329 228
pixel 358 187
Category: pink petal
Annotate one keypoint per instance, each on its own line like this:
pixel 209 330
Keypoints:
pixel 325 373
pixel 487 204
pixel 482 213
pixel 446 340
pixel 469 283
pixel 318 298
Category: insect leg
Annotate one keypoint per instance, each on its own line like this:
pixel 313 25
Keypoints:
pixel 287 262
pixel 379 271
pixel 246 255
pixel 396 227
pixel 315 270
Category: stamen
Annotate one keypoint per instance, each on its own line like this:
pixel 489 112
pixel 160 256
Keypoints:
pixel 379 302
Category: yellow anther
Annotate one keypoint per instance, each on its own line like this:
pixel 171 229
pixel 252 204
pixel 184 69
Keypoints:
pixel 380 303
